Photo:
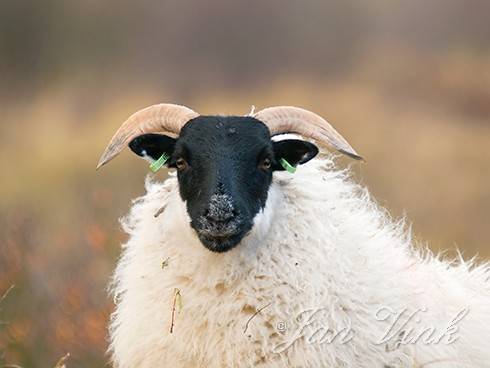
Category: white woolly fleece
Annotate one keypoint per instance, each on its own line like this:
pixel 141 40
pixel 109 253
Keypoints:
pixel 317 283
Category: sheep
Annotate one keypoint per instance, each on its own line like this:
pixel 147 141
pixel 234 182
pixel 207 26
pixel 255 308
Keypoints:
pixel 278 270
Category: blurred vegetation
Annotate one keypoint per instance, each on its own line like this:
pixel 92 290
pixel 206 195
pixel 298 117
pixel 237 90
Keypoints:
pixel 407 83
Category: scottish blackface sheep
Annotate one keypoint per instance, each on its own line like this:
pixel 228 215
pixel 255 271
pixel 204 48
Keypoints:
pixel 235 262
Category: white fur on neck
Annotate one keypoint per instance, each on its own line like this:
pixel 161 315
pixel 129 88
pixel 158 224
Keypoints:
pixel 321 241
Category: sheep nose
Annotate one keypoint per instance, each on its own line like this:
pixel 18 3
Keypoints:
pixel 220 208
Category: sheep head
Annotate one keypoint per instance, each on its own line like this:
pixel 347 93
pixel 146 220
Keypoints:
pixel 224 163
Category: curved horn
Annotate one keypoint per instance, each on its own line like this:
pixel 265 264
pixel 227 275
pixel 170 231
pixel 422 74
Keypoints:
pixel 161 118
pixel 289 119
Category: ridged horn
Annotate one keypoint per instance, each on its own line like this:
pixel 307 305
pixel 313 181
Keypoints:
pixel 290 119
pixel 161 118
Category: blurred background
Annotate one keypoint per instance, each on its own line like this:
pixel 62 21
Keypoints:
pixel 408 83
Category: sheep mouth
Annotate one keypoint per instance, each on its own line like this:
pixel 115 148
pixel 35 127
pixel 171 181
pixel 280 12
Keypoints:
pixel 220 238
pixel 220 243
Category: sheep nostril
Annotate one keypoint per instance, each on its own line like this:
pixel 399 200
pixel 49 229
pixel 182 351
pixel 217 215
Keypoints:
pixel 220 209
pixel 220 216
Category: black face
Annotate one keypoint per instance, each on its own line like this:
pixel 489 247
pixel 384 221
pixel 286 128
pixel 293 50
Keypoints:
pixel 224 168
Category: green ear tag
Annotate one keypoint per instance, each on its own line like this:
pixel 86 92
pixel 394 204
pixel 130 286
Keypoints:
pixel 157 164
pixel 287 166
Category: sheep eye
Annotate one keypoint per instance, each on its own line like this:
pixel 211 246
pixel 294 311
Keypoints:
pixel 266 164
pixel 181 164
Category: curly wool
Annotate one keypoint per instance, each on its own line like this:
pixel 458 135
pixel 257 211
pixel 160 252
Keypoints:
pixel 321 244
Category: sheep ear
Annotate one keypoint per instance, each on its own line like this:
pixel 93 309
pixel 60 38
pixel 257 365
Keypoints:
pixel 294 151
pixel 152 146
